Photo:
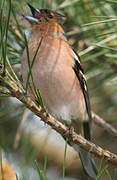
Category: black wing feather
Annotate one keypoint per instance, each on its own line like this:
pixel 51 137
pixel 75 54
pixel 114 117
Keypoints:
pixel 80 75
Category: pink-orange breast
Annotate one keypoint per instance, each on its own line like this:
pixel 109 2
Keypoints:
pixel 54 76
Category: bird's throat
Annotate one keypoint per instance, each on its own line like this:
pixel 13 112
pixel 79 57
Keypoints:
pixel 47 29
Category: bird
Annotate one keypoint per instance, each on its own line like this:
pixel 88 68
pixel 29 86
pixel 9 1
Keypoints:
pixel 52 71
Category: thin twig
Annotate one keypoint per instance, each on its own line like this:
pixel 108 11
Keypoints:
pixel 103 124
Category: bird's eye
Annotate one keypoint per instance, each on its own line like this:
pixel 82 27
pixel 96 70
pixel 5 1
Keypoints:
pixel 50 16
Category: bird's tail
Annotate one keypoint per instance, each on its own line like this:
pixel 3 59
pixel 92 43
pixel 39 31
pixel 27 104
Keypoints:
pixel 87 162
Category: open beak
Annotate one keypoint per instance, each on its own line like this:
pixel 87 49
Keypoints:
pixel 36 14
pixel 30 19
pixel 33 10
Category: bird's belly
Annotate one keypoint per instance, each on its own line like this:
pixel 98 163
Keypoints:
pixel 60 93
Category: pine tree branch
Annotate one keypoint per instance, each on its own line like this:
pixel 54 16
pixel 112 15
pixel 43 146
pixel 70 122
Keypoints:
pixel 17 91
pixel 103 124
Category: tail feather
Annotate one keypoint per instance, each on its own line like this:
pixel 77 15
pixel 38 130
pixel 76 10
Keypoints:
pixel 86 130
pixel 88 163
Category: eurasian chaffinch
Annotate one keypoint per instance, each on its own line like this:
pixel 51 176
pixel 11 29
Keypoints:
pixel 54 68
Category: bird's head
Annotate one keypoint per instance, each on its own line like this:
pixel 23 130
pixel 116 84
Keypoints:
pixel 44 15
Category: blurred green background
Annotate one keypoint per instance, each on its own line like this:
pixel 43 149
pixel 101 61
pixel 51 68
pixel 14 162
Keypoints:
pixel 91 29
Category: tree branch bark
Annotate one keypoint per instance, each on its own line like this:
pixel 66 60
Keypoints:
pixel 103 124
pixel 18 92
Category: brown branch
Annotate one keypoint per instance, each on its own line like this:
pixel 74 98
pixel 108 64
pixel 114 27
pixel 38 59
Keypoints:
pixel 18 92
pixel 103 124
